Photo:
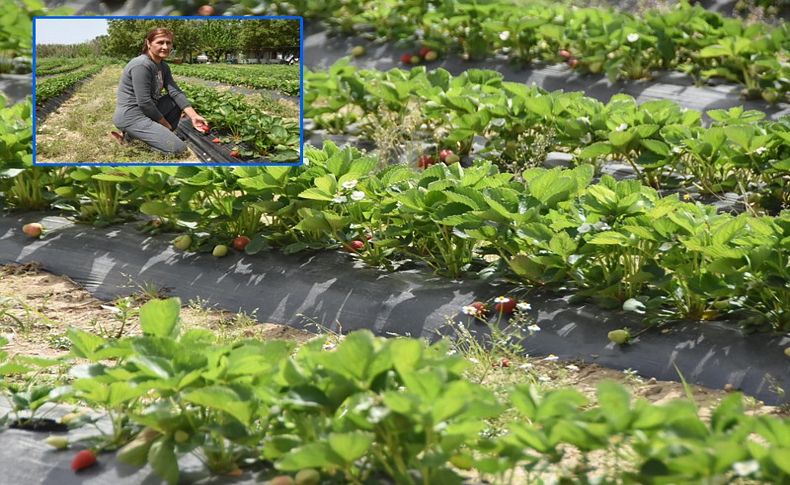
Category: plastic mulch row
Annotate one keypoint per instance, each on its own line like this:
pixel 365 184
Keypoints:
pixel 328 289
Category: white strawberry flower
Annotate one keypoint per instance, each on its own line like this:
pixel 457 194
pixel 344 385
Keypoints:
pixel 583 119
pixel 340 199
pixel 587 138
pixel 632 37
pixel 622 127
pixel 746 468
pixel 761 150
pixel 505 35
pixel 523 306
pixel 469 310
pixel 357 195
pixel 349 184
pixel 533 328
pixel 501 299
pixel 634 305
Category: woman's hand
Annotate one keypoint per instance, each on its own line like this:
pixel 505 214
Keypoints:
pixel 198 121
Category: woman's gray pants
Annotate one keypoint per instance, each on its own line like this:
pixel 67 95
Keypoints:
pixel 155 135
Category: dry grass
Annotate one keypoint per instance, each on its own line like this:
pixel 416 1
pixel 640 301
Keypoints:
pixel 79 131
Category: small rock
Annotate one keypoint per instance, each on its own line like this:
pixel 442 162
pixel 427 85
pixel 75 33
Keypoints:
pixel 729 387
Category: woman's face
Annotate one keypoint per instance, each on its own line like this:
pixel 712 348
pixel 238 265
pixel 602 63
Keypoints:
pixel 160 47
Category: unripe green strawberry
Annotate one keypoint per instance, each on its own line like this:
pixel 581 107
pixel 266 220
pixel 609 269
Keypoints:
pixel 308 476
pixel 619 336
pixel 181 436
pixel 135 452
pixel 358 51
pixel 770 95
pixel 58 442
pixel 415 59
pixel 183 242
pixel 69 418
pixel 451 159
pixel 787 351
pixel 219 251
pixel 431 56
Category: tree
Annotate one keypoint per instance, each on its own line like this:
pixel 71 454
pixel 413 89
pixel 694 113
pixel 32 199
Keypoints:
pixel 218 37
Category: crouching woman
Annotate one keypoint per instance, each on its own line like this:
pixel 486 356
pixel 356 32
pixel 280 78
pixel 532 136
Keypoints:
pixel 142 111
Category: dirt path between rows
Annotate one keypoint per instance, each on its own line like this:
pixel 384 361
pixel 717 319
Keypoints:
pixel 79 130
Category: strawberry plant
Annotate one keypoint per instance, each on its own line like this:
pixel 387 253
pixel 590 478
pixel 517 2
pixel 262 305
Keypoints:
pixel 51 87
pixel 371 407
pixel 282 78
pixel 257 134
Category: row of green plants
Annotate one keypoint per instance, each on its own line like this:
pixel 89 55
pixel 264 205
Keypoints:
pixel 252 133
pixel 52 87
pixel 664 143
pixel 282 78
pixel 612 242
pixel 371 408
pixel 688 38
pixel 58 65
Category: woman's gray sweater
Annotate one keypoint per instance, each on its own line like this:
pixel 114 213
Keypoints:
pixel 141 87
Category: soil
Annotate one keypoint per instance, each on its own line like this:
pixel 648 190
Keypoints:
pixel 37 308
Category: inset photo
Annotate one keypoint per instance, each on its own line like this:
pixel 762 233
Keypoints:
pixel 167 90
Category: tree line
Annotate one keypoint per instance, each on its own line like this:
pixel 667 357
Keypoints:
pixel 216 38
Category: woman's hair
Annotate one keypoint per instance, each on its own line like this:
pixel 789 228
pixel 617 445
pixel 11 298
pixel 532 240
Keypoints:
pixel 152 34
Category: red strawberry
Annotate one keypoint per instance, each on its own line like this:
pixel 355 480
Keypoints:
pixel 444 154
pixel 424 51
pixel 206 10
pixel 83 459
pixel 565 54
pixel 240 242
pixel 480 307
pixel 573 63
pixel 506 306
pixel 216 140
pixel 235 153
pixel 354 246
pixel 505 362
pixel 405 58
pixel 425 161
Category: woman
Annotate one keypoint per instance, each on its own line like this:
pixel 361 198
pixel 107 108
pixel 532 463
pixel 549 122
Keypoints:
pixel 142 111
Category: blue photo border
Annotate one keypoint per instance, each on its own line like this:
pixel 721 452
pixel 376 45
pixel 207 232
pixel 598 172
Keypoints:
pixel 178 164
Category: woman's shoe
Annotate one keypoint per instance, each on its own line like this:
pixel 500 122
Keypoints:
pixel 119 137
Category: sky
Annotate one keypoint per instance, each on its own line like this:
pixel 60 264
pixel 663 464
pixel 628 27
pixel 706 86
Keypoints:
pixel 68 31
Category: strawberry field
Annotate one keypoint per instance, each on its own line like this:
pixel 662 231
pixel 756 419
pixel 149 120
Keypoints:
pixel 452 231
